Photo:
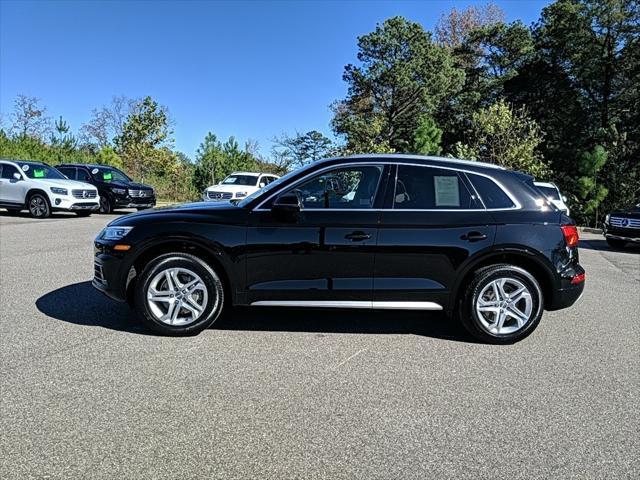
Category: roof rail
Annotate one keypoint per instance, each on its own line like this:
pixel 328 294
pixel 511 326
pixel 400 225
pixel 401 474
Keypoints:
pixel 405 156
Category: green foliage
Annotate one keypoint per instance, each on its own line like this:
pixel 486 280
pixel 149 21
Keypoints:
pixel 145 130
pixel 403 75
pixel 427 138
pixel 590 192
pixel 215 160
pixel 506 136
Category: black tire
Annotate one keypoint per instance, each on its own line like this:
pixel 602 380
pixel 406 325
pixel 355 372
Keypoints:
pixel 470 318
pixel 615 243
pixel 84 213
pixel 142 208
pixel 38 205
pixel 13 211
pixel 212 282
pixel 105 205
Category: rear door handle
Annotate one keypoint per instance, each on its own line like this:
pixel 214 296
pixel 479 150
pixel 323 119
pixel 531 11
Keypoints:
pixel 474 236
pixel 357 236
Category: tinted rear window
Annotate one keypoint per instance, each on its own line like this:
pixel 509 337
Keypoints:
pixel 492 195
pixel 549 192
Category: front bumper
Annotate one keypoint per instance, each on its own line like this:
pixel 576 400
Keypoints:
pixel 620 233
pixel 110 270
pixel 61 203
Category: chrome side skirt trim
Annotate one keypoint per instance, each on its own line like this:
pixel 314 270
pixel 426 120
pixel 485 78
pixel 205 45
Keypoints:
pixel 385 305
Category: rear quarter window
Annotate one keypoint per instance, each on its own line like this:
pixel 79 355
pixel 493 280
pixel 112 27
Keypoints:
pixel 490 192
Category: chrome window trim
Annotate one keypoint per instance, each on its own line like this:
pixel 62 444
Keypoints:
pixel 517 204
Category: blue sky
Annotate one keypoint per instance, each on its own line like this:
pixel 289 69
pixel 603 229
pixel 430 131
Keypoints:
pixel 248 69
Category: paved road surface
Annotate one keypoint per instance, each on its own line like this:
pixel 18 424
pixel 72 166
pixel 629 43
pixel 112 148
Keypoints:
pixel 86 393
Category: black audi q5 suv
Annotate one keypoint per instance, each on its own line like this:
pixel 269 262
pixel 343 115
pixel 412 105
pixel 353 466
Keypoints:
pixel 405 232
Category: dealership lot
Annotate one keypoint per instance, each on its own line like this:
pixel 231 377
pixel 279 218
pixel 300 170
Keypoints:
pixel 87 393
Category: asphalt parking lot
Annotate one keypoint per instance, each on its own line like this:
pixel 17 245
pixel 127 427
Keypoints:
pixel 87 393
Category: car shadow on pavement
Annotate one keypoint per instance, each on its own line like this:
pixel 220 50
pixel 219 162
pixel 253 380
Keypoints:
pixel 81 304
pixel 321 321
pixel 602 245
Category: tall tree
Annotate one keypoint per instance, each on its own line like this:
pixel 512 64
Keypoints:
pixel 29 118
pixel 454 26
pixel 107 122
pixel 403 75
pixel 302 148
pixel 145 130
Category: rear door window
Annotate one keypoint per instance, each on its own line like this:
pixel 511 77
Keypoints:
pixel 426 188
pixel 83 175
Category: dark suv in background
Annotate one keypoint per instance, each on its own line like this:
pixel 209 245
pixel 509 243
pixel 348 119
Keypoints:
pixel 371 231
pixel 116 189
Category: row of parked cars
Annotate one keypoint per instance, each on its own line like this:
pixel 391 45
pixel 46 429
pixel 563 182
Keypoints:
pixel 83 189
pixel 80 188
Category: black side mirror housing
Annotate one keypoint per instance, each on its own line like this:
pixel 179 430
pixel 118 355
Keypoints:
pixel 287 207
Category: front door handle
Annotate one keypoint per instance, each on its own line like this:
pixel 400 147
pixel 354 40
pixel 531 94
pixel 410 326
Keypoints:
pixel 357 236
pixel 474 236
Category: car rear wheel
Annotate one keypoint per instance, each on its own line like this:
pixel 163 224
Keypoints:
pixel 615 243
pixel 83 213
pixel 105 205
pixel 39 206
pixel 179 294
pixel 502 304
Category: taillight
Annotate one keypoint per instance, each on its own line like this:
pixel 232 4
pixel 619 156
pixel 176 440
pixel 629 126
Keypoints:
pixel 578 279
pixel 570 233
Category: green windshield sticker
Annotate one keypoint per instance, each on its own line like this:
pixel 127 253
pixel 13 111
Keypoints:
pixel 107 176
pixel 38 173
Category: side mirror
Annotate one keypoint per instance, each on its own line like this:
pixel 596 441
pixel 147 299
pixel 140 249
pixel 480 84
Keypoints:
pixel 287 207
pixel 17 176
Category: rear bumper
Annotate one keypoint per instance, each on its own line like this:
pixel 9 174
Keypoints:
pixel 566 297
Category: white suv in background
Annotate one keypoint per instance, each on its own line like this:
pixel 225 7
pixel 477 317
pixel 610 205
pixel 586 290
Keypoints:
pixel 41 189
pixel 552 193
pixel 238 185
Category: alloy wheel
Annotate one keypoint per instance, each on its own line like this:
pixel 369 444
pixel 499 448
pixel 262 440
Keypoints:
pixel 38 206
pixel 177 296
pixel 504 306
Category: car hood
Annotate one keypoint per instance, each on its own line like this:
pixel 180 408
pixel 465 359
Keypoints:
pixel 231 188
pixel 209 211
pixel 63 183
pixel 133 185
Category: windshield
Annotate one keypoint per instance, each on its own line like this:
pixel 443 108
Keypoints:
pixel 549 192
pixel 275 184
pixel 108 174
pixel 248 180
pixel 39 170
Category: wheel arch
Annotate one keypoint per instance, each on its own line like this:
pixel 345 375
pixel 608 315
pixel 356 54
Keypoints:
pixel 177 245
pixel 34 190
pixel 523 258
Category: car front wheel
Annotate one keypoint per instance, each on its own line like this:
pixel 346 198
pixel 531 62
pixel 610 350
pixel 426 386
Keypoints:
pixel 502 304
pixel 39 206
pixel 179 294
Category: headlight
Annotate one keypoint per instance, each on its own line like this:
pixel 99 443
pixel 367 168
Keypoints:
pixel 114 233
pixel 59 191
pixel 606 219
pixel 119 191
pixel 241 194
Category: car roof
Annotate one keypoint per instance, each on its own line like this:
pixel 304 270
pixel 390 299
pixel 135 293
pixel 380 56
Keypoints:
pixel 88 165
pixel 253 174
pixel 427 159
